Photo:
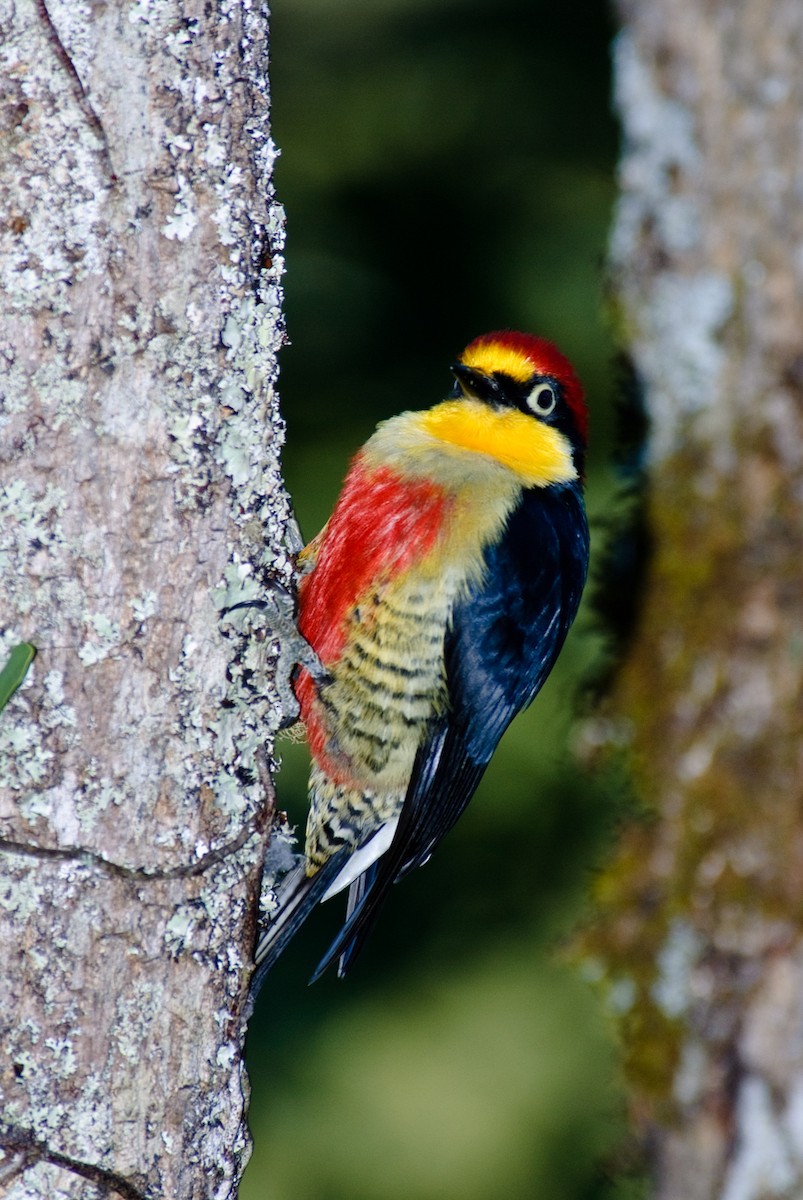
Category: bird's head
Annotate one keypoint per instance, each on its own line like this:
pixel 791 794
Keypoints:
pixel 520 371
pixel 518 400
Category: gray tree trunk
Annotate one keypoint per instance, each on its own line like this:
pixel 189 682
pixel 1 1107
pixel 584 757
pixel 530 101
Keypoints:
pixel 701 921
pixel 140 258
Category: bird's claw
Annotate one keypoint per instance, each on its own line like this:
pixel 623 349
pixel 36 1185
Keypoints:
pixel 280 608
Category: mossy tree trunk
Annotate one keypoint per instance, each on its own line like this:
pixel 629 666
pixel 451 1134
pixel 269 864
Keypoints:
pixel 140 254
pixel 700 923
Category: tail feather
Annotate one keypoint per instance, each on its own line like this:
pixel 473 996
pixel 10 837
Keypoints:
pixel 365 899
pixel 356 893
pixel 297 895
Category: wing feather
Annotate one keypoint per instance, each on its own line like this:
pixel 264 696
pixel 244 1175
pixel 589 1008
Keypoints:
pixel 502 642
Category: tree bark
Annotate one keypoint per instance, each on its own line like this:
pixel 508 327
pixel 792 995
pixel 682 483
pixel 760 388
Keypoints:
pixel 140 494
pixel 700 924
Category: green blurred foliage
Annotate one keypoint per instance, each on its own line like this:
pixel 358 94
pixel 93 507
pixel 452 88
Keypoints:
pixel 447 169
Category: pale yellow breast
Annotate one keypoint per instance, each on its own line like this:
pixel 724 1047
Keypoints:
pixel 389 682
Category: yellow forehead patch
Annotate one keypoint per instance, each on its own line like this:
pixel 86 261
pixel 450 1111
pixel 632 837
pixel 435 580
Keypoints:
pixel 495 356
pixel 538 454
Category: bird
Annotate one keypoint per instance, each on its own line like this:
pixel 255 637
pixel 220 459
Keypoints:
pixel 436 598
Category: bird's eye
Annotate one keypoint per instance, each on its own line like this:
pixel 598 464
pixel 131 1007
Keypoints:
pixel 542 399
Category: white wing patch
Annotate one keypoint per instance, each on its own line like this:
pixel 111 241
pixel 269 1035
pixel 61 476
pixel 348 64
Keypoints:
pixel 362 859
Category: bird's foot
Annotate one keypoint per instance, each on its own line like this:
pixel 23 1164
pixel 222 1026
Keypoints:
pixel 278 605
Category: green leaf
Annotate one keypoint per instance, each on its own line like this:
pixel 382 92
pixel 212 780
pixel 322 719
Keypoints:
pixel 15 671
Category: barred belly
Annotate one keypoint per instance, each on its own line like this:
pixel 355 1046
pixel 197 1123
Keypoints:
pixel 386 687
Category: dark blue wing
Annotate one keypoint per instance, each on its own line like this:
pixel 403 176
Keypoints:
pixel 502 643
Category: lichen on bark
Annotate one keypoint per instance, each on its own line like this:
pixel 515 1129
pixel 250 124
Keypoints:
pixel 699 916
pixel 140 493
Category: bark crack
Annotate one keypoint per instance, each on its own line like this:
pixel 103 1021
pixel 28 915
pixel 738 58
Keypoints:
pixel 257 825
pixel 78 89
pixel 25 1150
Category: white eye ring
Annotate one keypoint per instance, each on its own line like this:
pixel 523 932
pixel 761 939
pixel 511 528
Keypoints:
pixel 542 399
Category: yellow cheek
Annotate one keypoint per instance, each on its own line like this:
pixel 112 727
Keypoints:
pixel 537 454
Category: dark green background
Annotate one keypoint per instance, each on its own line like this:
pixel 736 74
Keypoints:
pixel 447 168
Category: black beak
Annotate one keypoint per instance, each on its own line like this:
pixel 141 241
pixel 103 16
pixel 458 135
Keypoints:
pixel 476 385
